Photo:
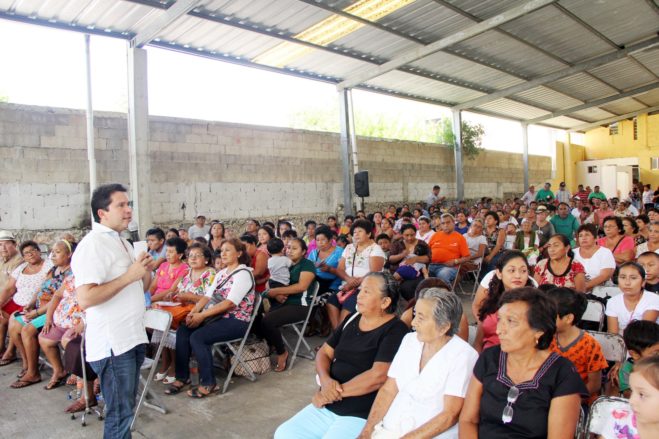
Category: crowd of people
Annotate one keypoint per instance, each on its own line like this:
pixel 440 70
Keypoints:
pixel 398 361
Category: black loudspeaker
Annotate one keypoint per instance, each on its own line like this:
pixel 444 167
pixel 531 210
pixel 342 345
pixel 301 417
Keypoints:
pixel 361 184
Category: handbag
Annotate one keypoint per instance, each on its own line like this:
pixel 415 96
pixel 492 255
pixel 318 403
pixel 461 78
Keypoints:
pixel 255 357
pixel 219 316
pixel 179 313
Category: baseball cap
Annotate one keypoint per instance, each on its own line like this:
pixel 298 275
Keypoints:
pixel 6 235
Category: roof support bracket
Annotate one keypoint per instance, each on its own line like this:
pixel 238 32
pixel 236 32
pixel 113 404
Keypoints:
pixel 177 10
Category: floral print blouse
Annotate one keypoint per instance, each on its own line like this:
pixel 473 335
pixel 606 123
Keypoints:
pixel 68 313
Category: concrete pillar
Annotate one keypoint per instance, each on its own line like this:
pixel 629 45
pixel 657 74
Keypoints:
pixel 525 155
pixel 346 139
pixel 91 153
pixel 138 138
pixel 459 177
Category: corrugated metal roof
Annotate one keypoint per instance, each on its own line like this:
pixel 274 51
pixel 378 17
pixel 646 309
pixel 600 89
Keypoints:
pixel 547 40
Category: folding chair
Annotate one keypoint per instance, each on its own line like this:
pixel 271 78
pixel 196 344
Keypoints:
pixel 159 320
pixel 475 272
pixel 230 345
pixel 613 346
pixel 456 279
pixel 88 410
pixel 594 313
pixel 299 328
pixel 600 414
pixel 581 423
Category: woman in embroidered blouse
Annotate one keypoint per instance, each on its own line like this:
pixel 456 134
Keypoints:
pixel 560 269
pixel 520 389
pixel 222 314
pixel 63 323
pixel 614 239
pixel 25 327
pixel 359 258
pixel 22 285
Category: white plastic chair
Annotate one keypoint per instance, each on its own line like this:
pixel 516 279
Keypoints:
pixel 237 353
pixel 594 313
pixel 600 414
pixel 613 346
pixel 299 328
pixel 159 320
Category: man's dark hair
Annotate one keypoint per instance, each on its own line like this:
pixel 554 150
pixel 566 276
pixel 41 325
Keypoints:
pixel 640 335
pixel 102 197
pixel 289 234
pixel 157 232
pixel 310 222
pixel 179 244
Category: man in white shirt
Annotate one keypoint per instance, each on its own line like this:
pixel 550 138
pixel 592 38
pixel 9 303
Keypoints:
pixel 109 283
pixel 529 195
pixel 576 212
pixel 434 197
pixel 199 229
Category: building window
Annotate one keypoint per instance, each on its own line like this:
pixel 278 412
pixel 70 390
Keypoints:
pixel 635 121
pixel 592 169
pixel 654 163
pixel 613 129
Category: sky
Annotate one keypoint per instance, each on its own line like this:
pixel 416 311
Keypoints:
pixel 48 69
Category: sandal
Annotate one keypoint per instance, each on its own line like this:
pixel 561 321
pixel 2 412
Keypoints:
pixel 6 361
pixel 54 383
pixel 208 391
pixel 79 405
pixel 22 383
pixel 282 367
pixel 160 376
pixel 169 380
pixel 176 387
pixel 21 374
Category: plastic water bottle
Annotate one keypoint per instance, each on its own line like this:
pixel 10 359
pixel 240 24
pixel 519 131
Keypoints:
pixel 194 372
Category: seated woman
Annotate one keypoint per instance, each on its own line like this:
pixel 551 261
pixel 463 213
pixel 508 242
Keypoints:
pixel 387 227
pixel 634 303
pixel 512 272
pixel 560 269
pixel 358 259
pixel 23 283
pixel 631 230
pixel 216 236
pixel 186 285
pixel 25 327
pixel 652 244
pixel 170 272
pixel 425 232
pixel 326 258
pixel 622 246
pixel 352 366
pixel 223 314
pixel 63 323
pixel 289 304
pixel 461 223
pixel 496 238
pixel 413 254
pixel 597 261
pixel 520 389
pixel 477 244
pixel 259 261
pixel 428 378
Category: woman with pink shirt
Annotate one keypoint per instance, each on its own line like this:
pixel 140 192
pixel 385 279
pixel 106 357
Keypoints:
pixel 621 245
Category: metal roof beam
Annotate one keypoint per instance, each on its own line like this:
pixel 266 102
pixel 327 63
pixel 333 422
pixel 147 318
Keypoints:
pixel 596 102
pixel 587 26
pixel 173 13
pixel 614 119
pixel 576 68
pixel 424 51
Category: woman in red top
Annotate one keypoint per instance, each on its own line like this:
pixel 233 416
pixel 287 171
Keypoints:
pixel 622 246
pixel 560 269
pixel 259 262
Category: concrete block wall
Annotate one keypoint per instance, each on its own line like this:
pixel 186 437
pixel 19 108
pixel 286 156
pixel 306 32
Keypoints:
pixel 223 170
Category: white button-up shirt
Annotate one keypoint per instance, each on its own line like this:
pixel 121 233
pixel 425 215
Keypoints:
pixel 117 325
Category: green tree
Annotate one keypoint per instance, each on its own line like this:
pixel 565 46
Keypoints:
pixel 472 137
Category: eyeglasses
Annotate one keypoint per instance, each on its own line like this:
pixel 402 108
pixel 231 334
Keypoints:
pixel 30 252
pixel 507 415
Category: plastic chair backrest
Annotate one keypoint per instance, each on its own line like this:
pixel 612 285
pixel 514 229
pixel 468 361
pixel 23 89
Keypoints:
pixel 601 411
pixel 594 313
pixel 157 319
pixel 613 346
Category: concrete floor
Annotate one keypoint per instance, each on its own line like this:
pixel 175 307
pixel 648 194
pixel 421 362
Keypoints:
pixel 247 410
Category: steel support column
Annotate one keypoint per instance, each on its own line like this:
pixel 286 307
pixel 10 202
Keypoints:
pixel 525 155
pixel 346 138
pixel 459 177
pixel 91 154
pixel 138 138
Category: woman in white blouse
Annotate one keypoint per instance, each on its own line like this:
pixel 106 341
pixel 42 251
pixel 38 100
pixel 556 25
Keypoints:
pixel 427 381
pixel 598 261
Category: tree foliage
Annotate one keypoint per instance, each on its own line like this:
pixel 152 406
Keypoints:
pixel 386 126
pixel 472 137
